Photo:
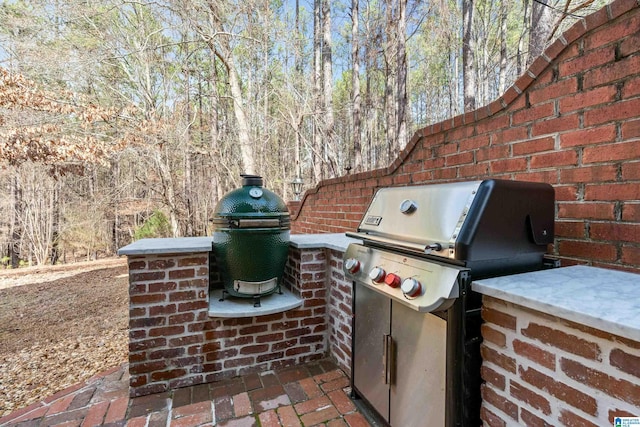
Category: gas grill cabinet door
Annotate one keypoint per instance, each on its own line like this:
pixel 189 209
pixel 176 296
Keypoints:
pixel 372 324
pixel 418 392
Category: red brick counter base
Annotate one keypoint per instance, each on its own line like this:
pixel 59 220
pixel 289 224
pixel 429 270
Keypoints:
pixel 173 342
pixel 542 370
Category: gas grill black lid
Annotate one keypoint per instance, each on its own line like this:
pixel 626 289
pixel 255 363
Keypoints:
pixel 492 222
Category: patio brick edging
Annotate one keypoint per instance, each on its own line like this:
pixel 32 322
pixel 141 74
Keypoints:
pixel 311 394
pixel 100 399
pixel 174 343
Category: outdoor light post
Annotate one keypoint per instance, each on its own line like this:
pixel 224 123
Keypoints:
pixel 297 184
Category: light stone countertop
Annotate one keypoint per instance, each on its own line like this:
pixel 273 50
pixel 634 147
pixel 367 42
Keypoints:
pixel 168 245
pixel 337 241
pixel 603 299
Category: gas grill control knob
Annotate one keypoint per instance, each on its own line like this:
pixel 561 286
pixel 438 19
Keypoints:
pixel 411 288
pixel 377 275
pixel 392 280
pixel 352 265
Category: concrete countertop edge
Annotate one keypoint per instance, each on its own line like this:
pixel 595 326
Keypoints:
pixel 563 313
pixel 167 245
pixel 584 307
pixel 159 246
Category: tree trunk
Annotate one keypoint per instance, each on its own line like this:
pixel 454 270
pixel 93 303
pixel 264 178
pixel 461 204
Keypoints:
pixel 502 77
pixel 55 223
pixel 390 80
pixel 115 232
pixel 468 56
pixel 16 213
pixel 298 42
pixel 327 80
pixel 298 79
pixel 187 183
pixel 482 72
pixel 452 76
pixel 355 83
pixel 402 75
pixel 541 25
pixel 168 193
pixel 244 139
pixel 213 130
pixel 316 155
pixel 522 55
pixel 369 111
pixel 224 52
pixel 266 122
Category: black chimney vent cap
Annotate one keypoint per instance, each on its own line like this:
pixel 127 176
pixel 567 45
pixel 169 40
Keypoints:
pixel 251 180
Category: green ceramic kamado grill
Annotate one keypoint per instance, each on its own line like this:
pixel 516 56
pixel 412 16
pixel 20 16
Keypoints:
pixel 251 240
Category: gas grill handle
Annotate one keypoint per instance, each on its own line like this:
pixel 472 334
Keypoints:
pixel 392 361
pixel 384 358
pixel 433 247
pixel 388 358
pixel 397 244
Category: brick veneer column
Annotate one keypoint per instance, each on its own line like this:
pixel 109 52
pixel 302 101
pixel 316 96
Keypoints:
pixel 542 370
pixel 168 296
pixel 323 280
pixel 340 312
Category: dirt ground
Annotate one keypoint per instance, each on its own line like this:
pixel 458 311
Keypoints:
pixel 60 325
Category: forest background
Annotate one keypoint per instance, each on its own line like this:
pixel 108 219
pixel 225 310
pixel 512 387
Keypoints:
pixel 123 119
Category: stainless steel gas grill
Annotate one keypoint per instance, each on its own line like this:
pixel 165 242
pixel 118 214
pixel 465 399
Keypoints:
pixel 416 333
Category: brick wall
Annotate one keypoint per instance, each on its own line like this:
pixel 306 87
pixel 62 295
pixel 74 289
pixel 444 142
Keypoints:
pixel 168 303
pixel 541 370
pixel 321 272
pixel 573 121
pixel 174 343
pixel 340 314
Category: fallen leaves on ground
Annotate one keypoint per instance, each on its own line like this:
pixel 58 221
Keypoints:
pixel 57 333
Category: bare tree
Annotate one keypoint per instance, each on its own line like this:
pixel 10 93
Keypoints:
pixel 540 29
pixel 327 79
pixel 318 146
pixel 391 70
pixel 214 132
pixel 36 220
pixel 502 77
pixel 208 18
pixel 401 99
pixel 468 56
pixel 16 214
pixel 162 103
pixel 355 83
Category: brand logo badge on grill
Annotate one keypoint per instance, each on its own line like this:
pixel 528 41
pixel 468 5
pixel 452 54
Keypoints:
pixel 373 220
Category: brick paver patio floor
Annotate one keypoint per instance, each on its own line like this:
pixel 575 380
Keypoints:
pixel 315 394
